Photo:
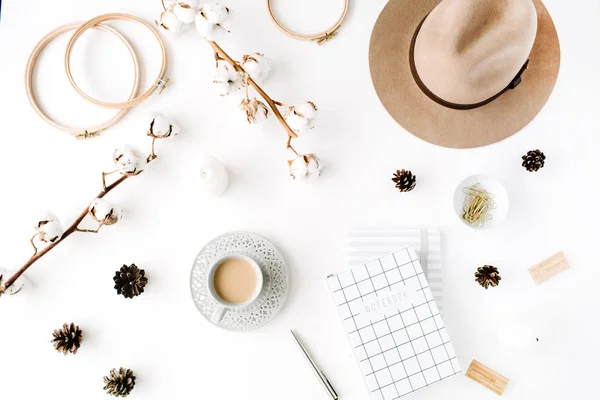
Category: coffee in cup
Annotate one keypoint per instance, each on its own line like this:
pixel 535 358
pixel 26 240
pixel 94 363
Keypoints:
pixel 234 282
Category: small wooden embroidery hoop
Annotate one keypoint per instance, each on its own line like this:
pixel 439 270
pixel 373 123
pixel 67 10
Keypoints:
pixel 320 37
pixel 159 83
pixel 77 132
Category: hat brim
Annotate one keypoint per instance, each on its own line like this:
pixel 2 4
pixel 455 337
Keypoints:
pixel 434 123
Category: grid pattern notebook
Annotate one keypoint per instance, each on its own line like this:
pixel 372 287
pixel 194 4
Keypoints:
pixel 394 325
pixel 363 245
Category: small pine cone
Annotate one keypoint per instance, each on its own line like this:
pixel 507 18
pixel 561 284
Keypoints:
pixel 120 382
pixel 68 339
pixel 487 276
pixel 405 180
pixel 533 160
pixel 130 281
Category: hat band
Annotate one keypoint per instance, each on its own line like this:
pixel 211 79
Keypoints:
pixel 513 84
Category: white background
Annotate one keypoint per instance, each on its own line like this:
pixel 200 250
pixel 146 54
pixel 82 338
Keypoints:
pixel 175 353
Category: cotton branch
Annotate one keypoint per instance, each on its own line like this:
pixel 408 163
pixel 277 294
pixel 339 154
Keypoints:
pixel 68 232
pixel 220 54
pixel 128 165
pixel 210 21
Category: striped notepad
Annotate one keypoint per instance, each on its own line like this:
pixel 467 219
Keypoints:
pixel 394 325
pixel 363 245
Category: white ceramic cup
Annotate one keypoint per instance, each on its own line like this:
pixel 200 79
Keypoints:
pixel 222 305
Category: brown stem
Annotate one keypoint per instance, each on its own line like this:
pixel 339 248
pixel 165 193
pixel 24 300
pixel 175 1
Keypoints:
pixel 246 77
pixel 217 59
pixel 221 53
pixel 89 230
pixel 104 175
pixel 289 146
pixel 35 249
pixel 152 155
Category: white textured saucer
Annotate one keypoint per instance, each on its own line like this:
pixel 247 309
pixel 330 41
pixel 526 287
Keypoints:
pixel 276 280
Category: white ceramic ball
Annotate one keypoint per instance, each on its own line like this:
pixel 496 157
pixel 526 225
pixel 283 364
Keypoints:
pixel 214 178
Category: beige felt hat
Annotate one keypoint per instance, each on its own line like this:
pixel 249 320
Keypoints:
pixel 464 73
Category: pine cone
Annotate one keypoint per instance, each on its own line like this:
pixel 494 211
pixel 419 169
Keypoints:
pixel 533 160
pixel 405 180
pixel 487 276
pixel 120 382
pixel 130 281
pixel 68 339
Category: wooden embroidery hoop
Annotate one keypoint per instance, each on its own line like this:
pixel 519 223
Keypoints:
pixel 159 83
pixel 320 37
pixel 79 133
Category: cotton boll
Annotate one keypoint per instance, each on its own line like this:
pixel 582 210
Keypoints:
pixel 297 123
pixel 129 161
pixel 186 10
pixel 301 117
pixel 204 26
pixel 255 110
pixel 222 88
pixel 209 29
pixel 162 127
pixel 223 72
pixel 215 13
pixel 49 227
pixel 184 14
pixel 307 109
pixel 227 79
pixel 298 168
pixel 217 34
pixel 252 69
pixel 51 232
pixel 47 216
pixel 305 167
pixel 104 212
pixel 257 66
pixel 226 88
pixel 214 178
pixel 169 22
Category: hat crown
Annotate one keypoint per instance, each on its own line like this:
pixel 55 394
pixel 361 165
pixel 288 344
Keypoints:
pixel 467 51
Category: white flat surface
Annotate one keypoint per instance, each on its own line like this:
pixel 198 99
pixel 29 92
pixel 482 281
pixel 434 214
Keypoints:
pixel 175 353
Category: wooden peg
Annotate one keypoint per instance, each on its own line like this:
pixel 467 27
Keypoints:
pixel 549 268
pixel 487 377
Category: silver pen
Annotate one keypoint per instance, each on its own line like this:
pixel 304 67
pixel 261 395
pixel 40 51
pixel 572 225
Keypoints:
pixel 322 378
